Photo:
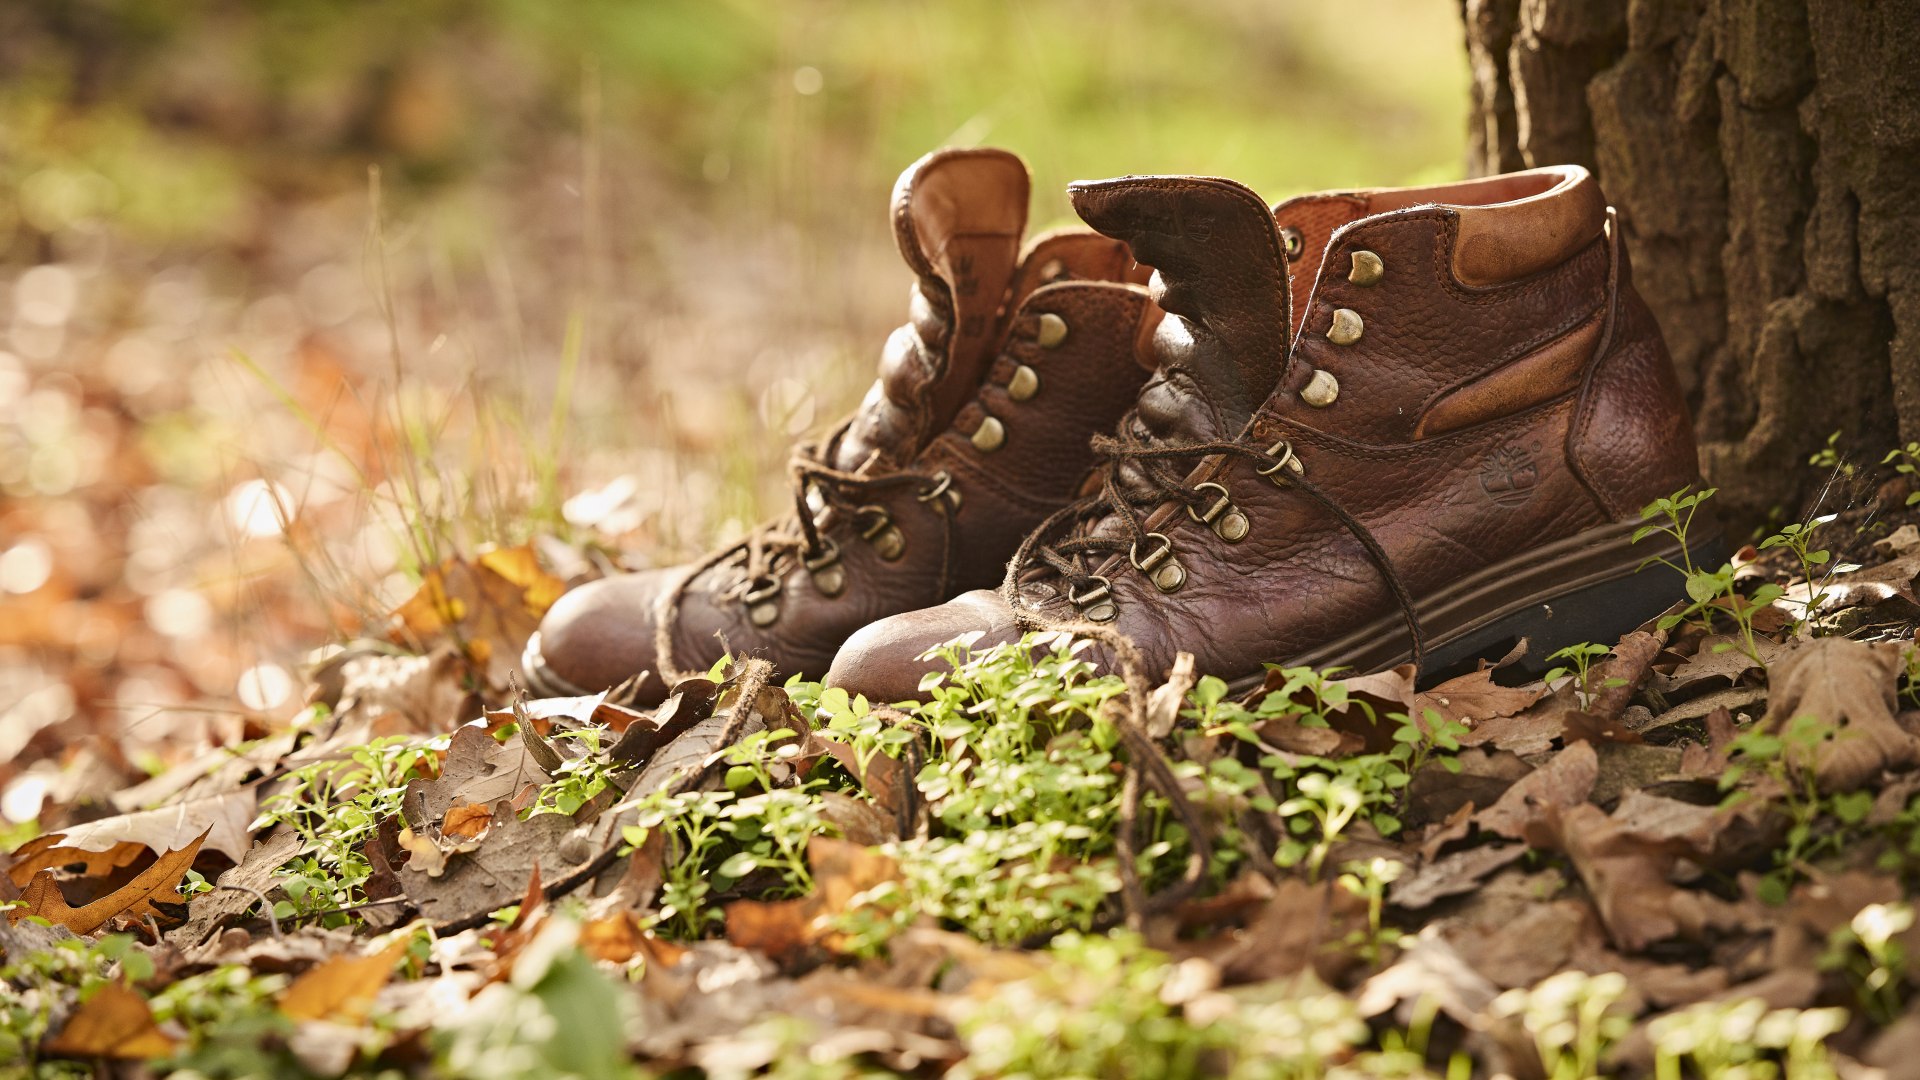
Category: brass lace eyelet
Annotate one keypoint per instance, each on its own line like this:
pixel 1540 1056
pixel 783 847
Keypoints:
pixel 877 528
pixel 1024 384
pixel 1053 330
pixel 828 575
pixel 1097 603
pixel 1288 460
pixel 1223 517
pixel 763 600
pixel 1159 566
pixel 1294 241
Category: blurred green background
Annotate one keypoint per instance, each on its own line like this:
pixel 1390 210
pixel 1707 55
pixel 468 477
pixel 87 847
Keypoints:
pixel 297 296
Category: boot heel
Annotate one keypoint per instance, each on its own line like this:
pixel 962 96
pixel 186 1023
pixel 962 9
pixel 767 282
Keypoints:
pixel 1601 613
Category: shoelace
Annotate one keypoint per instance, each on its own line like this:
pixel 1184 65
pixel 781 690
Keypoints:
pixel 771 551
pixel 1069 557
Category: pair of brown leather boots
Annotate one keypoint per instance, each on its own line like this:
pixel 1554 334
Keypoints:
pixel 1355 428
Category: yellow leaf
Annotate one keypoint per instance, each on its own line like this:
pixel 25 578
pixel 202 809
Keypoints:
pixel 114 1023
pixel 341 988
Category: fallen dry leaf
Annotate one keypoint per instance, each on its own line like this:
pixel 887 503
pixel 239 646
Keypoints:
pixel 478 769
pixel 691 701
pixel 1457 873
pixel 159 882
pixel 114 1023
pixel 239 888
pixel 48 853
pixel 842 872
pixel 467 820
pixel 340 987
pixel 224 820
pixel 1851 687
pixel 1469 698
pixel 490 606
pixel 1564 781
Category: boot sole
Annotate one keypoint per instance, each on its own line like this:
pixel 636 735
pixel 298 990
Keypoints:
pixel 1596 586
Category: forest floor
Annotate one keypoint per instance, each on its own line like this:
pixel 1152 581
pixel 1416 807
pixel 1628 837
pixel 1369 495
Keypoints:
pixel 290 465
pixel 1684 853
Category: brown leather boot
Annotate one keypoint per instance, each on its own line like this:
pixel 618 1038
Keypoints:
pixel 1444 449
pixel 976 430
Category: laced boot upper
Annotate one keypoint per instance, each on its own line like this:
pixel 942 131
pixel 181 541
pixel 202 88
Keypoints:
pixel 1459 421
pixel 976 429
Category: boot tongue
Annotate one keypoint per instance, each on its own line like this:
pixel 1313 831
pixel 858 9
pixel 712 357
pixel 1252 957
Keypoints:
pixel 958 216
pixel 1220 274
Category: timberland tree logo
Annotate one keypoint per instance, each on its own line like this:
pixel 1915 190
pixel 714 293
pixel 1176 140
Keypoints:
pixel 1508 475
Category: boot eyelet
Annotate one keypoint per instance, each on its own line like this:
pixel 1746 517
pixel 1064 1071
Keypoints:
pixel 1367 270
pixel 763 600
pixel 1288 460
pixel 829 577
pixel 1024 384
pixel 1223 517
pixel 888 541
pixel 1322 390
pixel 942 486
pixel 1096 604
pixel 991 435
pixel 1294 241
pixel 1053 330
pixel 1160 566
pixel 1347 327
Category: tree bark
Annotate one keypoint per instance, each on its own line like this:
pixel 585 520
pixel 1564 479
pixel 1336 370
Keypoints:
pixel 1764 157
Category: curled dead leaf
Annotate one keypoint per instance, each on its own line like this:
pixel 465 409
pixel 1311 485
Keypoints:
pixel 159 882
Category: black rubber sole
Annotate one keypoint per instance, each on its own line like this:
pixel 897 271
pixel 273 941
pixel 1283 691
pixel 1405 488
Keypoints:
pixel 1601 613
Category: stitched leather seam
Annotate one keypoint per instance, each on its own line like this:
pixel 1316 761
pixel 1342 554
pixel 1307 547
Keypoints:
pixel 1517 352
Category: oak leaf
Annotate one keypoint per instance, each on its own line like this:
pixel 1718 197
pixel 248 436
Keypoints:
pixel 133 900
pixel 1851 687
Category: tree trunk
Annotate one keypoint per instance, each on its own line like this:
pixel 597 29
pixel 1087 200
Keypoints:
pixel 1764 156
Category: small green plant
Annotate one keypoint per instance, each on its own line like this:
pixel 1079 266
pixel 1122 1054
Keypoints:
pixel 694 830
pixel 37 982
pixel 336 806
pixel 1798 539
pixel 1708 591
pixel 1577 661
pixel 1433 738
pixel 1829 457
pixel 1572 1018
pixel 579 778
pixel 1786 758
pixel 1369 880
pixel 1906 462
pixel 1744 1040
pixel 1868 951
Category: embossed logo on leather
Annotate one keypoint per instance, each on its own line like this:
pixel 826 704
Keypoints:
pixel 1508 475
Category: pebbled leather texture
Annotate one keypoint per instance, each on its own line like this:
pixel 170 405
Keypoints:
pixel 603 633
pixel 1514 468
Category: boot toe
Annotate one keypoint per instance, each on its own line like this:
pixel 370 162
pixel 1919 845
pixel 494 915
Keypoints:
pixel 598 636
pixel 883 660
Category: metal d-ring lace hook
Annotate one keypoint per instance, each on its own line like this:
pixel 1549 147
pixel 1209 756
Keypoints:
pixel 1095 604
pixel 1159 566
pixel 1226 520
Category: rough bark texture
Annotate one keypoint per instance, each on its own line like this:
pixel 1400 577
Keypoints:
pixel 1764 156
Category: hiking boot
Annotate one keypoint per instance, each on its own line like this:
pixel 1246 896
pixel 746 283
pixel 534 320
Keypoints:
pixel 1442 450
pixel 976 430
